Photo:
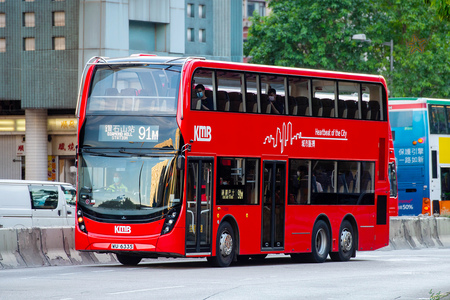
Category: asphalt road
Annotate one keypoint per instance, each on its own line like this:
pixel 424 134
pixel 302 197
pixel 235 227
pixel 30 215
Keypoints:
pixel 392 274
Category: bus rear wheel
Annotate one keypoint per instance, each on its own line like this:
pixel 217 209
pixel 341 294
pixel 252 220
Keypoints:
pixel 346 243
pixel 128 260
pixel 225 246
pixel 320 242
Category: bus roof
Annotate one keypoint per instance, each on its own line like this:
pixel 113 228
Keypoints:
pixel 173 60
pixel 414 103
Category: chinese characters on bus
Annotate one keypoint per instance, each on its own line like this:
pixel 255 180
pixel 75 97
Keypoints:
pixel 411 155
pixel 128 133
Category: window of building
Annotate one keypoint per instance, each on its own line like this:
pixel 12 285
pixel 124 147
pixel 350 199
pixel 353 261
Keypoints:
pixel 238 180
pixel 190 10
pixel 2 20
pixel 2 45
pixel 257 6
pixel 190 34
pixel 28 19
pixel 202 35
pixel 59 43
pixel 201 11
pixel 29 44
pixel 59 18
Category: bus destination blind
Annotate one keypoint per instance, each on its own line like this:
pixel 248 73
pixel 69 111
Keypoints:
pixel 128 133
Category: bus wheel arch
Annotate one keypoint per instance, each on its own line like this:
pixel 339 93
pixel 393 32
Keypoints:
pixel 128 260
pixel 227 243
pixel 347 240
pixel 321 239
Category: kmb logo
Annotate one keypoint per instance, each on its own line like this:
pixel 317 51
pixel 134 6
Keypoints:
pixel 202 133
pixel 122 229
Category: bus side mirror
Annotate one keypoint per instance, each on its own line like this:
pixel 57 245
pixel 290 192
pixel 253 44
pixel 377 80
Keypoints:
pixel 180 163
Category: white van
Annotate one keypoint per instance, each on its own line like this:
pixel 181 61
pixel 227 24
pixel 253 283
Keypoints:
pixel 26 203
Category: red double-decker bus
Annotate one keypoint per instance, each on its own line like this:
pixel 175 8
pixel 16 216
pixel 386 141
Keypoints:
pixel 185 157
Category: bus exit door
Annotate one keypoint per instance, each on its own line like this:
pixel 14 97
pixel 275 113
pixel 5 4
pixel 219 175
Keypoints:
pixel 273 205
pixel 198 208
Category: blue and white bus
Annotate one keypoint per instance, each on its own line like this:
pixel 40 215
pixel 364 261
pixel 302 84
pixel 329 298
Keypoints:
pixel 421 134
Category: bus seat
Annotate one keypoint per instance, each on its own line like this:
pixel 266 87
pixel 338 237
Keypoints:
pixel 292 105
pixel 235 101
pixel 364 110
pixel 302 106
pixel 280 99
pixel 352 109
pixel 111 100
pixel 223 103
pixel 327 108
pixel 342 109
pixel 374 110
pixel 366 182
pixel 316 107
pixel 251 103
pixel 265 107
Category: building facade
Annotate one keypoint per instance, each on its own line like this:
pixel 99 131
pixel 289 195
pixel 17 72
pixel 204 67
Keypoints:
pixel 44 45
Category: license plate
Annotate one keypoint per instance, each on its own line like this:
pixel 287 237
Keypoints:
pixel 122 246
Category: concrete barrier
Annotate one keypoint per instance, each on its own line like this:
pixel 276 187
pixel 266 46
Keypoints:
pixel 9 250
pixel 76 257
pixel 36 247
pixel 419 232
pixel 30 247
pixel 53 246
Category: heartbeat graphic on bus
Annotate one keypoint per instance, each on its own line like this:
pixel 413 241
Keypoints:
pixel 284 136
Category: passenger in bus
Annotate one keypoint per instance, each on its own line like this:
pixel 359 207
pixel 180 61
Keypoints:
pixel 117 186
pixel 206 102
pixel 276 103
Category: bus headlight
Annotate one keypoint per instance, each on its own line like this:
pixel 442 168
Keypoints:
pixel 80 220
pixel 169 221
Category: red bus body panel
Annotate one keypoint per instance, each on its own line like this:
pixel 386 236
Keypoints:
pixel 267 137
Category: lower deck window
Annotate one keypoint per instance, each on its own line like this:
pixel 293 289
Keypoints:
pixel 237 181
pixel 331 182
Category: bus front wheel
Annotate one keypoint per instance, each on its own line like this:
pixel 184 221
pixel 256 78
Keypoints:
pixel 320 242
pixel 346 243
pixel 128 260
pixel 225 246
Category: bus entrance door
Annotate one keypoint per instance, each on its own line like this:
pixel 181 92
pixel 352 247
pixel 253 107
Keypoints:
pixel 273 205
pixel 198 208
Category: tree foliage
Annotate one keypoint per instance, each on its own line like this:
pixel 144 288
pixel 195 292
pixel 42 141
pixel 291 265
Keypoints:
pixel 318 34
pixel 442 8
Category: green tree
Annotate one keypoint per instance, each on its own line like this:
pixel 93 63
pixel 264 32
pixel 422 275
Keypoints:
pixel 318 34
pixel 442 7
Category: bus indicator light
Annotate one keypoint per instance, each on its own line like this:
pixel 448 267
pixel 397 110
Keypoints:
pixel 420 140
pixel 426 206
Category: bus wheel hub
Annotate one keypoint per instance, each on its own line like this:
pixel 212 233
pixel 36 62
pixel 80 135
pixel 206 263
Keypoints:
pixel 226 244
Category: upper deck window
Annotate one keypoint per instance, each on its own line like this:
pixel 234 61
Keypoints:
pixel 139 90
pixel 439 119
pixel 251 92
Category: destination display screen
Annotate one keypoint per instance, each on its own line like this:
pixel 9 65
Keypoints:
pixel 128 133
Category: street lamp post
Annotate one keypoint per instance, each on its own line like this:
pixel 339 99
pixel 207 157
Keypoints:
pixel 362 37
